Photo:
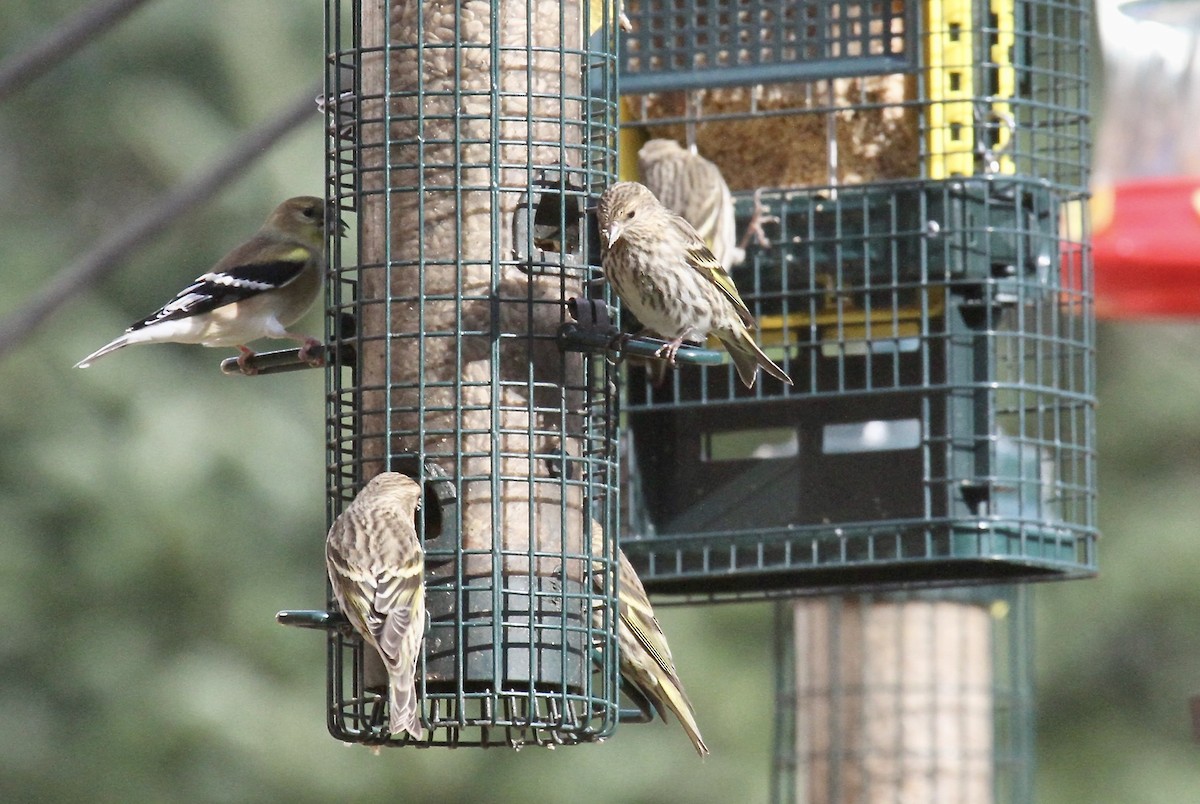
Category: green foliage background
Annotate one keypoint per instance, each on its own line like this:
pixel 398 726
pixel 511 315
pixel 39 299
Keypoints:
pixel 154 514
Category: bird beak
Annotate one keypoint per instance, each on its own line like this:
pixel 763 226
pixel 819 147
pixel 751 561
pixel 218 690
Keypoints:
pixel 614 232
pixel 331 215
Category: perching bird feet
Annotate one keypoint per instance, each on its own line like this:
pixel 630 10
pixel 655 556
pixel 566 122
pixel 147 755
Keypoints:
pixel 243 361
pixel 313 352
pixel 668 350
pixel 755 227
pixel 617 342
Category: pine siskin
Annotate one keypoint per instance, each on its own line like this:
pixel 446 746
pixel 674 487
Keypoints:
pixel 646 661
pixel 693 188
pixel 670 280
pixel 257 290
pixel 377 571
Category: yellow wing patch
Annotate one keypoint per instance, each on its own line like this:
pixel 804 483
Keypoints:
pixel 702 259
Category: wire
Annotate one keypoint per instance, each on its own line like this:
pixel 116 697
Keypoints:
pixel 62 43
pixel 149 222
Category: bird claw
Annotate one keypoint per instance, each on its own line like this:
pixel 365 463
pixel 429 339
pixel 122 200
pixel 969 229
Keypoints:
pixel 755 227
pixel 313 352
pixel 243 364
pixel 668 351
pixel 617 342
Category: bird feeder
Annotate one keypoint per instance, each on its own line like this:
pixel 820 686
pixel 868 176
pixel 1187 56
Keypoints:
pixel 1146 189
pixel 918 158
pixel 468 139
pixel 1147 248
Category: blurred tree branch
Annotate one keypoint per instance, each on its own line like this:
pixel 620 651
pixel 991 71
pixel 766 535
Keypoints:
pixel 62 43
pixel 148 223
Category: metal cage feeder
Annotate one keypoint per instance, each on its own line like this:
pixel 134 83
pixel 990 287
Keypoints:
pixel 468 140
pixel 926 288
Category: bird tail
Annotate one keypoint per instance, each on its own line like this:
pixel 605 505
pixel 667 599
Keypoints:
pixel 748 356
pixel 677 701
pixel 403 705
pixel 640 634
pixel 107 349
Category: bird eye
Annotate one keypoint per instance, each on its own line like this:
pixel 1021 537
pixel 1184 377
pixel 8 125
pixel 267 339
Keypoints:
pixel 630 213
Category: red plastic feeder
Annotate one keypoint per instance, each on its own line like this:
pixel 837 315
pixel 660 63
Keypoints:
pixel 1146 248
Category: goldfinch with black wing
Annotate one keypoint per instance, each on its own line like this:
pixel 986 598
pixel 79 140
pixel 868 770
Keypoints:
pixel 257 290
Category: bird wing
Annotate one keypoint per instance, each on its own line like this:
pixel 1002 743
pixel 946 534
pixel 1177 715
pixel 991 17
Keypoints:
pixel 353 590
pixel 234 279
pixel 384 603
pixel 396 603
pixel 701 258
pixel 643 625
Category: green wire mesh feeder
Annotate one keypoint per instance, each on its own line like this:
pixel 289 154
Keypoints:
pixel 928 288
pixel 469 139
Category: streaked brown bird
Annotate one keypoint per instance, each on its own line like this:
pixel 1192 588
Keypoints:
pixel 693 188
pixel 377 571
pixel 667 277
pixel 646 660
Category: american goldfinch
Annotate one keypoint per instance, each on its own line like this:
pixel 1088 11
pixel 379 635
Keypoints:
pixel 693 188
pixel 662 271
pixel 377 572
pixel 257 290
pixel 646 661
